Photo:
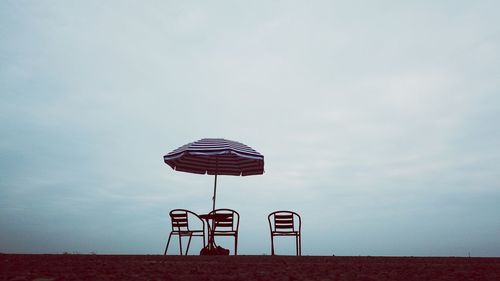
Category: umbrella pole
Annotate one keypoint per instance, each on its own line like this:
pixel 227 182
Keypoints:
pixel 215 181
pixel 215 189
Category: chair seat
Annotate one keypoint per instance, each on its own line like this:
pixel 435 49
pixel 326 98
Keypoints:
pixel 184 232
pixel 222 232
pixel 285 233
pixel 197 232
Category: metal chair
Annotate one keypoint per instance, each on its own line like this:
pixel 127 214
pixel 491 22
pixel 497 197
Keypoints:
pixel 227 226
pixel 180 227
pixel 285 223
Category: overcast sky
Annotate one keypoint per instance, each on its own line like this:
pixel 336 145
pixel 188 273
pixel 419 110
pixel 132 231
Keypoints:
pixel 378 121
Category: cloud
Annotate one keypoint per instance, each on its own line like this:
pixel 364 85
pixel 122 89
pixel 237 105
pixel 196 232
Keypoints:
pixel 375 121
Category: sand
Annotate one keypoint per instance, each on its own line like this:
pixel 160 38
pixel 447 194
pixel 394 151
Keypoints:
pixel 152 267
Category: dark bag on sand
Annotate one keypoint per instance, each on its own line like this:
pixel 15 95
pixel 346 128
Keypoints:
pixel 218 251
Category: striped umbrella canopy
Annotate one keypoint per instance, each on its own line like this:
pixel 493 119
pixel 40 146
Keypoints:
pixel 216 157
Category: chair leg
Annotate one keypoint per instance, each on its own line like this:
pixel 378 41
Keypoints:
pixel 180 243
pixel 189 242
pixel 297 245
pixel 236 245
pixel 300 246
pixel 168 242
pixel 272 245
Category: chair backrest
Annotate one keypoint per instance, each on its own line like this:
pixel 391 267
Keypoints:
pixel 230 223
pixel 284 221
pixel 180 219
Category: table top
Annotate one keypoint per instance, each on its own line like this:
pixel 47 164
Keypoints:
pixel 214 216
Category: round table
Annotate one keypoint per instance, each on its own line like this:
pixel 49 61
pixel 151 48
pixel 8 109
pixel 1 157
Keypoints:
pixel 213 217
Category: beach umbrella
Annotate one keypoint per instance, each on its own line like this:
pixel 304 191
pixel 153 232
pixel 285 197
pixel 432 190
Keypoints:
pixel 216 157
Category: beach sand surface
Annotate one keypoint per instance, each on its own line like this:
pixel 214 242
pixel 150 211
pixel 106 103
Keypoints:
pixel 190 268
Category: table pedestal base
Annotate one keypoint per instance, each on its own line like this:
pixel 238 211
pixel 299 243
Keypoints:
pixel 211 250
